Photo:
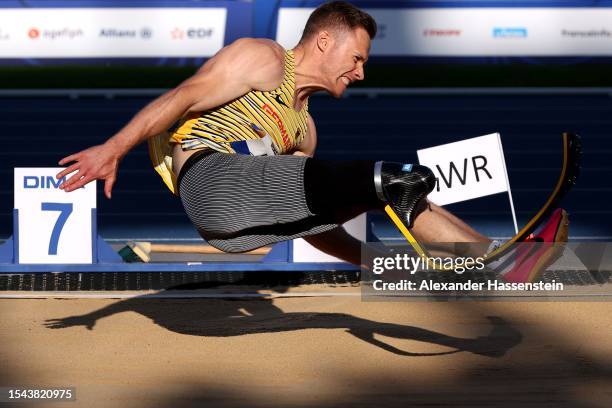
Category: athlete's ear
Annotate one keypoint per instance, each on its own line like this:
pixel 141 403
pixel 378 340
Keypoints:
pixel 323 41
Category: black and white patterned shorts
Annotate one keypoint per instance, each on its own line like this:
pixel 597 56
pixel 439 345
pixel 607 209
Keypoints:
pixel 242 202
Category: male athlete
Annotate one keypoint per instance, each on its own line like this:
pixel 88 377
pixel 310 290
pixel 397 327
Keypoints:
pixel 235 142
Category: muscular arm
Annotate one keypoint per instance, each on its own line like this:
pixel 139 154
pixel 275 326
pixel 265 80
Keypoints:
pixel 233 72
pixel 238 68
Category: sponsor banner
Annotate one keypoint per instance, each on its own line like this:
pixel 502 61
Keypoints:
pixel 474 32
pixel 111 32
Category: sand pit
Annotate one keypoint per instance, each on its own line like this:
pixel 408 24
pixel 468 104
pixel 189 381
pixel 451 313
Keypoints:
pixel 309 351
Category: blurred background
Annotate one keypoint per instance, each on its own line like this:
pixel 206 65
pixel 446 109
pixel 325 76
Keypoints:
pixel 73 72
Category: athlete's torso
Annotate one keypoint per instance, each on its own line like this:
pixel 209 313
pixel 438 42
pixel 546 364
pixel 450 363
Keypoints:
pixel 254 115
pixel 259 122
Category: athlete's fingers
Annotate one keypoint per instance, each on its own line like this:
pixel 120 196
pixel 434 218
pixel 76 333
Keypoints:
pixel 67 171
pixel 68 159
pixel 108 186
pixel 71 183
pixel 79 183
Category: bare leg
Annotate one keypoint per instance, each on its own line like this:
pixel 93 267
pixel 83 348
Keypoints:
pixel 338 243
pixel 434 224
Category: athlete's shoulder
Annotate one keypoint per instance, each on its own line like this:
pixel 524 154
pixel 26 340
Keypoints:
pixel 247 63
pixel 266 46
pixel 260 51
pixel 263 59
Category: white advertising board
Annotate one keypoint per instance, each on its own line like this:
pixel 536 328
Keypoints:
pixel 111 32
pixel 469 32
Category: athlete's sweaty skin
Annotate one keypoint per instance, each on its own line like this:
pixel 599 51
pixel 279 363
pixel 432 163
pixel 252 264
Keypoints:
pixel 329 61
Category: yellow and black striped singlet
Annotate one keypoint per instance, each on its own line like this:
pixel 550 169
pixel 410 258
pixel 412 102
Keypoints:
pixel 255 115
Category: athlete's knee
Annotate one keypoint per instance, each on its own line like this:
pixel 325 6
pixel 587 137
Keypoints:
pixel 423 205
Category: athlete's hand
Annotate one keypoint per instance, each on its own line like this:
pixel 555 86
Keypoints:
pixel 96 163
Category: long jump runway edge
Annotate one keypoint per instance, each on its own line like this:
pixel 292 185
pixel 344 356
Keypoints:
pixel 321 294
pixel 166 295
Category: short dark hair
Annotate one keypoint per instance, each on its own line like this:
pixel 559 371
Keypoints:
pixel 338 14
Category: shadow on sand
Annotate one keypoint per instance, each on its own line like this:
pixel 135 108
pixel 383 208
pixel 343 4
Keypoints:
pixel 548 371
pixel 243 316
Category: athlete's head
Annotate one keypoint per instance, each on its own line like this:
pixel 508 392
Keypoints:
pixel 340 33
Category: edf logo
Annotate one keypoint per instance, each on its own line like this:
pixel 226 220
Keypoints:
pixel 199 32
pixel 42 182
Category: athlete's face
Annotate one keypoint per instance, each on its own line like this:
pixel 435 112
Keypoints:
pixel 346 56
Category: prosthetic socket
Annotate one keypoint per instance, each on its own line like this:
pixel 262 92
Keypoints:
pixel 402 186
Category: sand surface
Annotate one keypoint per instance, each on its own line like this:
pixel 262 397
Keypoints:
pixel 309 351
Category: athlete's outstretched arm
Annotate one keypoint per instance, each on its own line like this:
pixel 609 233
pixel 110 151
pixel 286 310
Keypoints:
pixel 235 70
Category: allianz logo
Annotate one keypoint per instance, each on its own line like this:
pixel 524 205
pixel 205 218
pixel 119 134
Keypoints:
pixel 510 32
pixel 144 32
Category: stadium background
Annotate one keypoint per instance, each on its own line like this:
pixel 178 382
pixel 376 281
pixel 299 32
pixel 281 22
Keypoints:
pixel 283 339
pixel 50 107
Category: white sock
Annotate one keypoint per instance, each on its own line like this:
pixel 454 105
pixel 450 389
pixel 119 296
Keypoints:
pixel 498 264
pixel 493 246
